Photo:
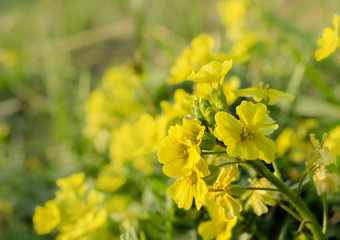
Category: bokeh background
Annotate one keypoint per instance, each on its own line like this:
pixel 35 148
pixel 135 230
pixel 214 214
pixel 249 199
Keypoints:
pixel 54 53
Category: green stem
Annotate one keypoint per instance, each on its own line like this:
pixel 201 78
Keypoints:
pixel 296 202
pixel 298 194
pixel 228 163
pixel 263 189
pixel 211 189
pixel 221 144
pixel 208 153
pixel 276 168
pixel 325 217
pixel 291 212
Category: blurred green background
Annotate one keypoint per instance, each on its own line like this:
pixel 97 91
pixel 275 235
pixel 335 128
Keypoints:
pixel 54 52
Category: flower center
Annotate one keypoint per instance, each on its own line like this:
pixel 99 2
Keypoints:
pixel 246 134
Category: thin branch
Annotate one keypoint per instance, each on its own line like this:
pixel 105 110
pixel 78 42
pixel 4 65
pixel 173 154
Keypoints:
pixel 276 169
pixel 263 189
pixel 211 153
pixel 291 212
pixel 298 194
pixel 229 163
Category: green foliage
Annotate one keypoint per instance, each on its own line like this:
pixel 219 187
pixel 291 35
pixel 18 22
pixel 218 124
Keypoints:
pixel 53 54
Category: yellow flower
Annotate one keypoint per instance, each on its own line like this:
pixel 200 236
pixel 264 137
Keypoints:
pixel 321 155
pixel 72 187
pixel 259 198
pixel 198 53
pixel 46 218
pixel 247 138
pixel 259 93
pixel 231 207
pixel 80 214
pixel 293 141
pixel 180 149
pixel 333 141
pixel 325 182
pixel 203 89
pixel 136 143
pixel 182 106
pixel 186 188
pixel 329 41
pixel 232 11
pixel 218 227
pixel 240 51
pixel 212 73
pixel 117 203
pixel 113 101
pixel 108 182
pixel 229 87
pixel 84 227
pixel 130 216
pixel 284 141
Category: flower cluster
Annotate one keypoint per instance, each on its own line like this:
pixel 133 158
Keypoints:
pixel 75 211
pixel 180 154
pixel 203 131
pixel 209 140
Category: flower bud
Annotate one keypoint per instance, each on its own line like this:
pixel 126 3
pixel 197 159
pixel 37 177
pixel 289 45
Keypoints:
pixel 218 98
pixel 196 110
pixel 325 182
pixel 214 172
pixel 208 113
pixel 208 141
pixel 236 190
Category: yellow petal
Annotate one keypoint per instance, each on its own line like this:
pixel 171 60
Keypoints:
pixel 246 149
pixel 266 147
pixel 46 218
pixel 207 230
pixel 191 132
pixel 226 234
pixel 201 168
pixel 253 116
pixel 227 176
pixel 198 53
pixel 230 205
pixel 199 190
pixel 215 210
pixel 253 92
pixel 269 126
pixel 276 96
pixel 228 128
pixel 182 192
